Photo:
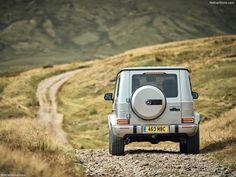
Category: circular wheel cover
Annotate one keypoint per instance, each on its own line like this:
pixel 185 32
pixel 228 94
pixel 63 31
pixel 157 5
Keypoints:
pixel 148 102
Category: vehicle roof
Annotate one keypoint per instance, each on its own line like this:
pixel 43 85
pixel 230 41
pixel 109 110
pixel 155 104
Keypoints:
pixel 154 68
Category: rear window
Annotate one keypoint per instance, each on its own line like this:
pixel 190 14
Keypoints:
pixel 167 83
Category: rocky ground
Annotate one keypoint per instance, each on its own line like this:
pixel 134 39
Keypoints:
pixel 150 162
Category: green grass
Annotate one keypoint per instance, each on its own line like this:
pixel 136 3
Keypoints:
pixel 216 84
pixel 18 96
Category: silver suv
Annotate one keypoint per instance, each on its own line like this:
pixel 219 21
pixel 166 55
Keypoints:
pixel 153 104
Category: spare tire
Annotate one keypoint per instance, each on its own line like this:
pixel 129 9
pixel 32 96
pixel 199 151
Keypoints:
pixel 148 102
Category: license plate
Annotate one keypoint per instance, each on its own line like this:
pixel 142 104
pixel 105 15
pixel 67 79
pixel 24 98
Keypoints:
pixel 156 129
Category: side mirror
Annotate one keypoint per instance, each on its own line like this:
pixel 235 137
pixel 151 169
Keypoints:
pixel 108 96
pixel 195 95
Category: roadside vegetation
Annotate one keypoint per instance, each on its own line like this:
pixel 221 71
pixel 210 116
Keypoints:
pixel 212 63
pixel 28 147
pixel 219 137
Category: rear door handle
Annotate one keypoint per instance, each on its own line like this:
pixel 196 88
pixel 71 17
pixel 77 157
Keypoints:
pixel 174 109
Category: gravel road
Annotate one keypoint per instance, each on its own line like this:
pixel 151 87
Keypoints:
pixel 150 162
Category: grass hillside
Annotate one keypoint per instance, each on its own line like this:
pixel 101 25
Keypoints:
pixel 212 62
pixel 26 146
pixel 35 33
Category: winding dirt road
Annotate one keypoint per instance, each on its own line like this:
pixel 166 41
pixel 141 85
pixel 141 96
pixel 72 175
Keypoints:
pixel 47 98
pixel 137 162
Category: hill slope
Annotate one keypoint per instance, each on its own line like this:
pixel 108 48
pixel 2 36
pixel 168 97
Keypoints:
pixel 212 63
pixel 29 148
pixel 35 33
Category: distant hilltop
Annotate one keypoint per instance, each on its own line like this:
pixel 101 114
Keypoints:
pixel 37 32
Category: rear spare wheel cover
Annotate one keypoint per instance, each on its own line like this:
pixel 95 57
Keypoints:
pixel 148 102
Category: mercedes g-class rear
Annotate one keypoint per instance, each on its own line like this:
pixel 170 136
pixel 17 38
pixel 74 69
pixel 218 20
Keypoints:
pixel 153 104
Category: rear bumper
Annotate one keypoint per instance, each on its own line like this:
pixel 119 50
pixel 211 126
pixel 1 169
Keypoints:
pixel 182 129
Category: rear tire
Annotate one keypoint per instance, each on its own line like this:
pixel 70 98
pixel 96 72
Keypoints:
pixel 116 145
pixel 191 145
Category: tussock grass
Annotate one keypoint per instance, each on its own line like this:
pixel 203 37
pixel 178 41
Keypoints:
pixel 219 136
pixel 27 135
pixel 211 61
pixel 18 163
pixel 29 148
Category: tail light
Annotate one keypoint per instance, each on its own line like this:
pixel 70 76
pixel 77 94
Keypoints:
pixel 122 121
pixel 187 120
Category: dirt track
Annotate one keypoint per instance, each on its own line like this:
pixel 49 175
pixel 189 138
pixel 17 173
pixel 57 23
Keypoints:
pixel 46 95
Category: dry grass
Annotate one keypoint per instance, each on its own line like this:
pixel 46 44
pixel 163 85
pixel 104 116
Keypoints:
pixel 219 136
pixel 27 147
pixel 18 163
pixel 211 61
pixel 27 135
